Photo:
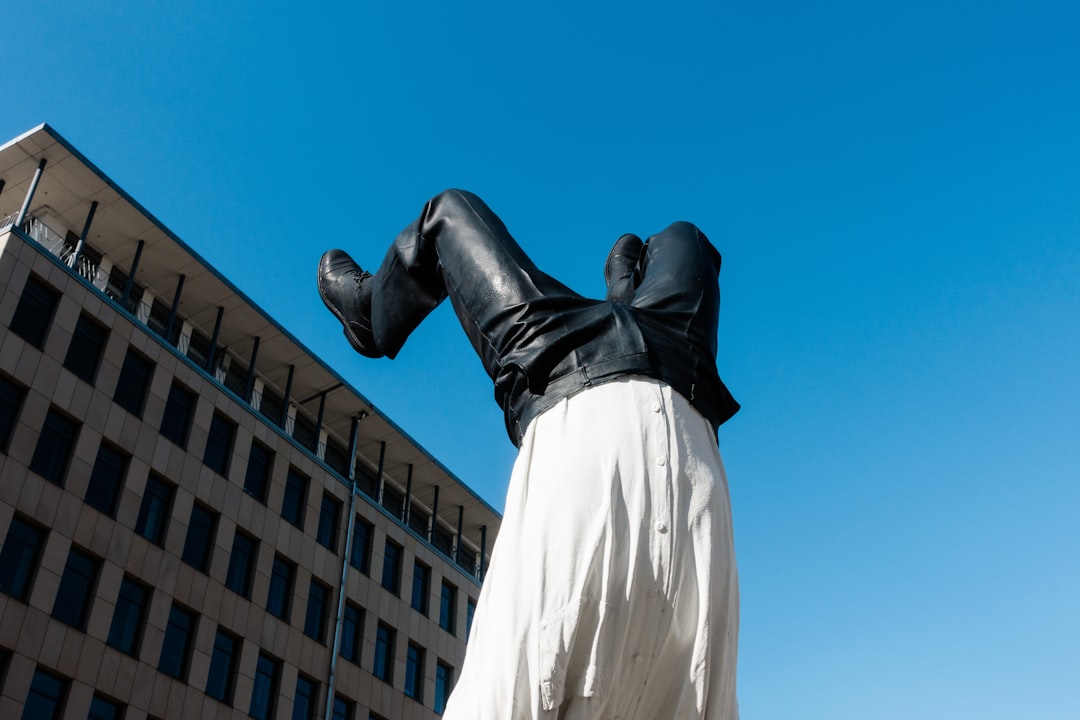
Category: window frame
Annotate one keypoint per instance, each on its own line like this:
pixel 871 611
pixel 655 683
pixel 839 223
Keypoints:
pixel 88 341
pixel 76 591
pixel 178 414
pixel 35 311
pixel 162 493
pixel 220 439
pixel 55 446
pixel 107 478
pixel 133 384
pixel 199 541
pixel 179 667
pixel 21 570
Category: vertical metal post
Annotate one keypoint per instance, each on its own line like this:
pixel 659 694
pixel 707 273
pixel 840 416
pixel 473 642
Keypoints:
pixel 173 309
pixel 434 516
pixel 483 551
pixel 213 341
pixel 319 419
pixel 339 620
pixel 379 479
pixel 82 238
pixel 30 194
pixel 251 372
pixel 407 510
pixel 457 545
pixel 131 273
pixel 288 393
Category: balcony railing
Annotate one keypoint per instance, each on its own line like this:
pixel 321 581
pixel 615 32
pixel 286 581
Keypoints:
pixel 57 244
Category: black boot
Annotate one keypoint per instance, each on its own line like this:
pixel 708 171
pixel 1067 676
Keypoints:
pixel 621 269
pixel 346 290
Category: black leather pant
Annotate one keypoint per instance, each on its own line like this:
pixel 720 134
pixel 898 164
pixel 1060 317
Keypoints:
pixel 539 340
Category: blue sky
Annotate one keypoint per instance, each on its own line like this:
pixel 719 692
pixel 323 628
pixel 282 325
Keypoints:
pixel 896 193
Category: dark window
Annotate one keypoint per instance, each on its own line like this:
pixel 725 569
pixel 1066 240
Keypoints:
pixel 257 477
pixel 418 520
pixel 219 444
pixel 155 509
pixel 198 350
pixel 414 672
pixel 391 569
pixel 393 501
pixel 34 313
pixel 343 709
pixel 315 619
pixel 294 503
pixel 236 375
pixel 272 406
pixel 47 695
pixel 125 633
pixel 467 560
pixel 222 677
pixel 19 557
pixel 200 538
pixel 448 608
pixel 241 563
pixel 176 422
pixel 421 587
pixel 55 443
pixel 159 321
pixel 329 516
pixel 118 282
pixel 360 556
pixel 337 457
pixel 87 344
pixel 265 688
pixel 307 696
pixel 365 479
pixel 470 610
pixel 442 540
pixel 11 397
pixel 281 581
pixel 5 659
pixel 106 479
pixel 133 383
pixel 305 432
pixel 444 683
pixel 352 632
pixel 384 654
pixel 102 708
pixel 72 605
pixel 176 648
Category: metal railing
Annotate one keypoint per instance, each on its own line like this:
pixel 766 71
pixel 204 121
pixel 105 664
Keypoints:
pixel 57 244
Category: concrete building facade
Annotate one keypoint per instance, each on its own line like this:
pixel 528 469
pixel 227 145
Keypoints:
pixel 198 517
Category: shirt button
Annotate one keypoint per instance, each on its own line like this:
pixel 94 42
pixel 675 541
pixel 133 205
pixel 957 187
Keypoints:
pixel 661 528
pixel 656 407
pixel 661 461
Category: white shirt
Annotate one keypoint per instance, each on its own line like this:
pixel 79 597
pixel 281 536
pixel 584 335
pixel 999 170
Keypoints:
pixel 612 592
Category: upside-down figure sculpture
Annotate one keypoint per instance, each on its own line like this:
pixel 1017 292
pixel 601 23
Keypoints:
pixel 612 591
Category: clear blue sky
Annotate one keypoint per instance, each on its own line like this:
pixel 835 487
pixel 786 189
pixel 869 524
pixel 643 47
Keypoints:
pixel 895 190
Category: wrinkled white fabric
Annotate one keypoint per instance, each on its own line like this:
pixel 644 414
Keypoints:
pixel 612 592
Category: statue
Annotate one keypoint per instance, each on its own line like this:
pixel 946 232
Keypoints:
pixel 612 589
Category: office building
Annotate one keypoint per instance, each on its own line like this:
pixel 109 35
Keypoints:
pixel 199 518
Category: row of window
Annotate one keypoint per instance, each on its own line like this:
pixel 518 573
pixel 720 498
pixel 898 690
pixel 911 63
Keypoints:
pixel 52 455
pixel 31 321
pixel 25 542
pixel 49 691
